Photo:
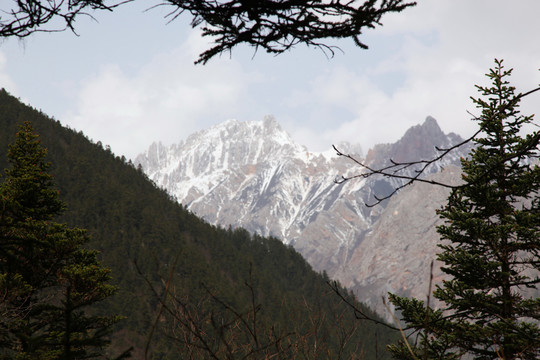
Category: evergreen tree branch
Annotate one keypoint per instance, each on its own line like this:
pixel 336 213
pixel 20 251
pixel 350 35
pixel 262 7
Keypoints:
pixel 490 244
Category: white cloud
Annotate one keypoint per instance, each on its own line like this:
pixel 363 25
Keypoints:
pixel 165 100
pixel 423 61
pixel 446 48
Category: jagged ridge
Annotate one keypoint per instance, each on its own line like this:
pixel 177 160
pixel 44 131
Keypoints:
pixel 253 175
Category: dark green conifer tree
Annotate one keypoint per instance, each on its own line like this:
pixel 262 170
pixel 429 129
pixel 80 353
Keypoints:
pixel 48 280
pixel 490 245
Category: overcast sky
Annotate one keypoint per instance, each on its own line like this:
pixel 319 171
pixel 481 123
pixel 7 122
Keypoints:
pixel 128 79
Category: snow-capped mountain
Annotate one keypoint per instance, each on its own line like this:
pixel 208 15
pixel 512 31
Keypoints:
pixel 253 175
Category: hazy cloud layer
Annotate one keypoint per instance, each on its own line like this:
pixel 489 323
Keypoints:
pixel 129 80
pixel 165 100
pixel 446 48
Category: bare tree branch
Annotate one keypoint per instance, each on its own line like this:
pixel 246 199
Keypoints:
pixel 358 313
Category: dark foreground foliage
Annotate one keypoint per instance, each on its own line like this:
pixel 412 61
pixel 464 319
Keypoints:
pixel 49 283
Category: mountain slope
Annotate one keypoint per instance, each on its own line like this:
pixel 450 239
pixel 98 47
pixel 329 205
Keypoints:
pixel 134 224
pixel 396 255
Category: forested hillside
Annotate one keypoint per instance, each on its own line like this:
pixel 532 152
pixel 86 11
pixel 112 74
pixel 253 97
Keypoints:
pixel 143 235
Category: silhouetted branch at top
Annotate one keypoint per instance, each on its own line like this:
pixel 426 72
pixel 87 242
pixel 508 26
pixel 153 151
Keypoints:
pixel 278 25
pixel 273 25
pixel 26 17
pixel 396 169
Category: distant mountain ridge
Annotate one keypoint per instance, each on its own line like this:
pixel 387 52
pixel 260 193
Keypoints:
pixel 253 175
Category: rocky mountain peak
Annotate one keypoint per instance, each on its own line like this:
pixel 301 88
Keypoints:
pixel 419 142
pixel 252 174
pixel 270 125
pixel 228 145
pixel 428 130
